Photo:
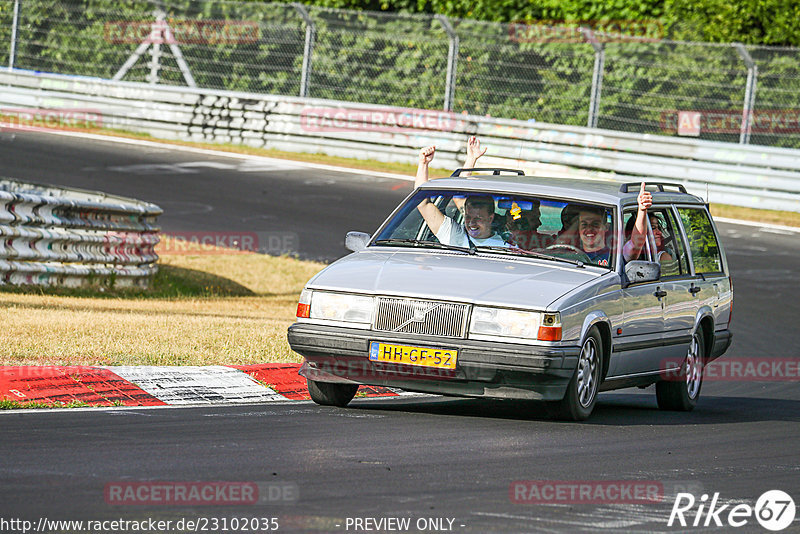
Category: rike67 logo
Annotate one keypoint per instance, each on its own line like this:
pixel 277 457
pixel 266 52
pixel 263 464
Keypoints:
pixel 774 510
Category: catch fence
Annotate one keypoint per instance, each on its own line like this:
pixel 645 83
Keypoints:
pixel 618 75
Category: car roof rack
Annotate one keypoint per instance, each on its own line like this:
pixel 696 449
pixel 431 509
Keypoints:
pixel 495 171
pixel 633 187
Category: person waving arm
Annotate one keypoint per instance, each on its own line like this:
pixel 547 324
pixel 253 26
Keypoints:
pixel 433 217
pixel 633 248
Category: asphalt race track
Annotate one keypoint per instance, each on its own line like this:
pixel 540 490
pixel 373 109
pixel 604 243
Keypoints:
pixel 447 465
pixel 213 194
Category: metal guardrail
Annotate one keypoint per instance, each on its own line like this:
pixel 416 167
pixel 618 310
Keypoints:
pixel 71 237
pixel 744 175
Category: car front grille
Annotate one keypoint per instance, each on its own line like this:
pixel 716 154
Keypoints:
pixel 421 317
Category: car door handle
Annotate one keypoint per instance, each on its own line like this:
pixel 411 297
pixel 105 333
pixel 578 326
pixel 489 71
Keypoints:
pixel 659 293
pixel 695 289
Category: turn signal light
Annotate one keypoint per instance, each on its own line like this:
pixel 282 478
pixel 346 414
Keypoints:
pixel 304 304
pixel 549 333
pixel 303 310
pixel 550 329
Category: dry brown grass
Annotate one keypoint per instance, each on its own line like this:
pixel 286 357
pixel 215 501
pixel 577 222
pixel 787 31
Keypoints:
pixel 212 308
pixel 785 218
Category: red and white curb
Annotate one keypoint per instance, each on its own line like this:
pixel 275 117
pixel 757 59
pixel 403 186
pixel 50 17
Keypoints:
pixel 160 385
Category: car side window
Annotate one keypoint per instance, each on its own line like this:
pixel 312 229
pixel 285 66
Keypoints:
pixel 702 240
pixel 628 220
pixel 679 265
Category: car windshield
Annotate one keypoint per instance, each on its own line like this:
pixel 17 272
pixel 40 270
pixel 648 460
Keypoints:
pixel 501 223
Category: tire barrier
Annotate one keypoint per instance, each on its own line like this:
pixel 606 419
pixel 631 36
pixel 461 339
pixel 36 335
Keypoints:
pixel 54 236
pixel 728 173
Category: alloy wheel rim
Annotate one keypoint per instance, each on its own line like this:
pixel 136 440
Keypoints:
pixel 587 373
pixel 694 369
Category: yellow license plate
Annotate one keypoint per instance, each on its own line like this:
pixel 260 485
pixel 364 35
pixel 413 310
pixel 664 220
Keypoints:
pixel 411 355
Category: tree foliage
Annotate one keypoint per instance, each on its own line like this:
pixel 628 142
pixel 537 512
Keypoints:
pixel 394 56
pixel 771 22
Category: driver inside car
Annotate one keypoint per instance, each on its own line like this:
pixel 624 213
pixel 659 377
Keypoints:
pixel 592 230
pixel 479 213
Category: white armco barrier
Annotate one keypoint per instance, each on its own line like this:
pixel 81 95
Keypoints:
pixel 71 237
pixel 744 175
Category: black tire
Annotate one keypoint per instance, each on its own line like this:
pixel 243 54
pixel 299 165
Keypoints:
pixel 581 395
pixel 681 393
pixel 330 394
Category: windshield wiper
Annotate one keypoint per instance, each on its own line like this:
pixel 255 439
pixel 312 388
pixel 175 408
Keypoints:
pixel 424 244
pixel 530 253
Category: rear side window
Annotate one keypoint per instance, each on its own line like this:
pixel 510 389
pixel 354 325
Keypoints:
pixel 702 241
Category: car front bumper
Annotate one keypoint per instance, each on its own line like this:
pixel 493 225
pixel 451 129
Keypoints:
pixel 484 368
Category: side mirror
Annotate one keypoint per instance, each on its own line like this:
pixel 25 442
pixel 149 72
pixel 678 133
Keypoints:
pixel 356 241
pixel 642 271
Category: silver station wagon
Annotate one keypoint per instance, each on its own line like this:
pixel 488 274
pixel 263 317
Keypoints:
pixel 557 304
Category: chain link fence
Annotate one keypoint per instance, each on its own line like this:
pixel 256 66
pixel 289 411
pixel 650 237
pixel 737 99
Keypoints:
pixel 622 76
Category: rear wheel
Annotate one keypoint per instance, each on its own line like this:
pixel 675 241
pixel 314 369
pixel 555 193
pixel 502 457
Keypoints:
pixel 581 395
pixel 681 393
pixel 330 394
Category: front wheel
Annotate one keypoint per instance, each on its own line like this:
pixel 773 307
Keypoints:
pixel 581 395
pixel 330 394
pixel 681 393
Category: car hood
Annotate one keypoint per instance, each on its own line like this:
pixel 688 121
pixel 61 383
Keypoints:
pixel 480 279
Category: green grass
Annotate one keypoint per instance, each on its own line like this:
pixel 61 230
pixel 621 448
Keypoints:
pixel 7 404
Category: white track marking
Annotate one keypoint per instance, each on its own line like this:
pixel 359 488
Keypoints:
pixel 197 385
pixel 221 153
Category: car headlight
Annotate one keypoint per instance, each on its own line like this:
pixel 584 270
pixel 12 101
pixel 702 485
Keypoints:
pixel 341 307
pixel 519 324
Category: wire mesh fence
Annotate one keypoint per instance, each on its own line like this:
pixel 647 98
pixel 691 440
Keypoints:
pixel 504 72
pixel 618 78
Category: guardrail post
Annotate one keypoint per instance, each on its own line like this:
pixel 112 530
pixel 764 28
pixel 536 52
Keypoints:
pixel 452 62
pixel 597 75
pixel 14 25
pixel 749 93
pixel 154 64
pixel 311 32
